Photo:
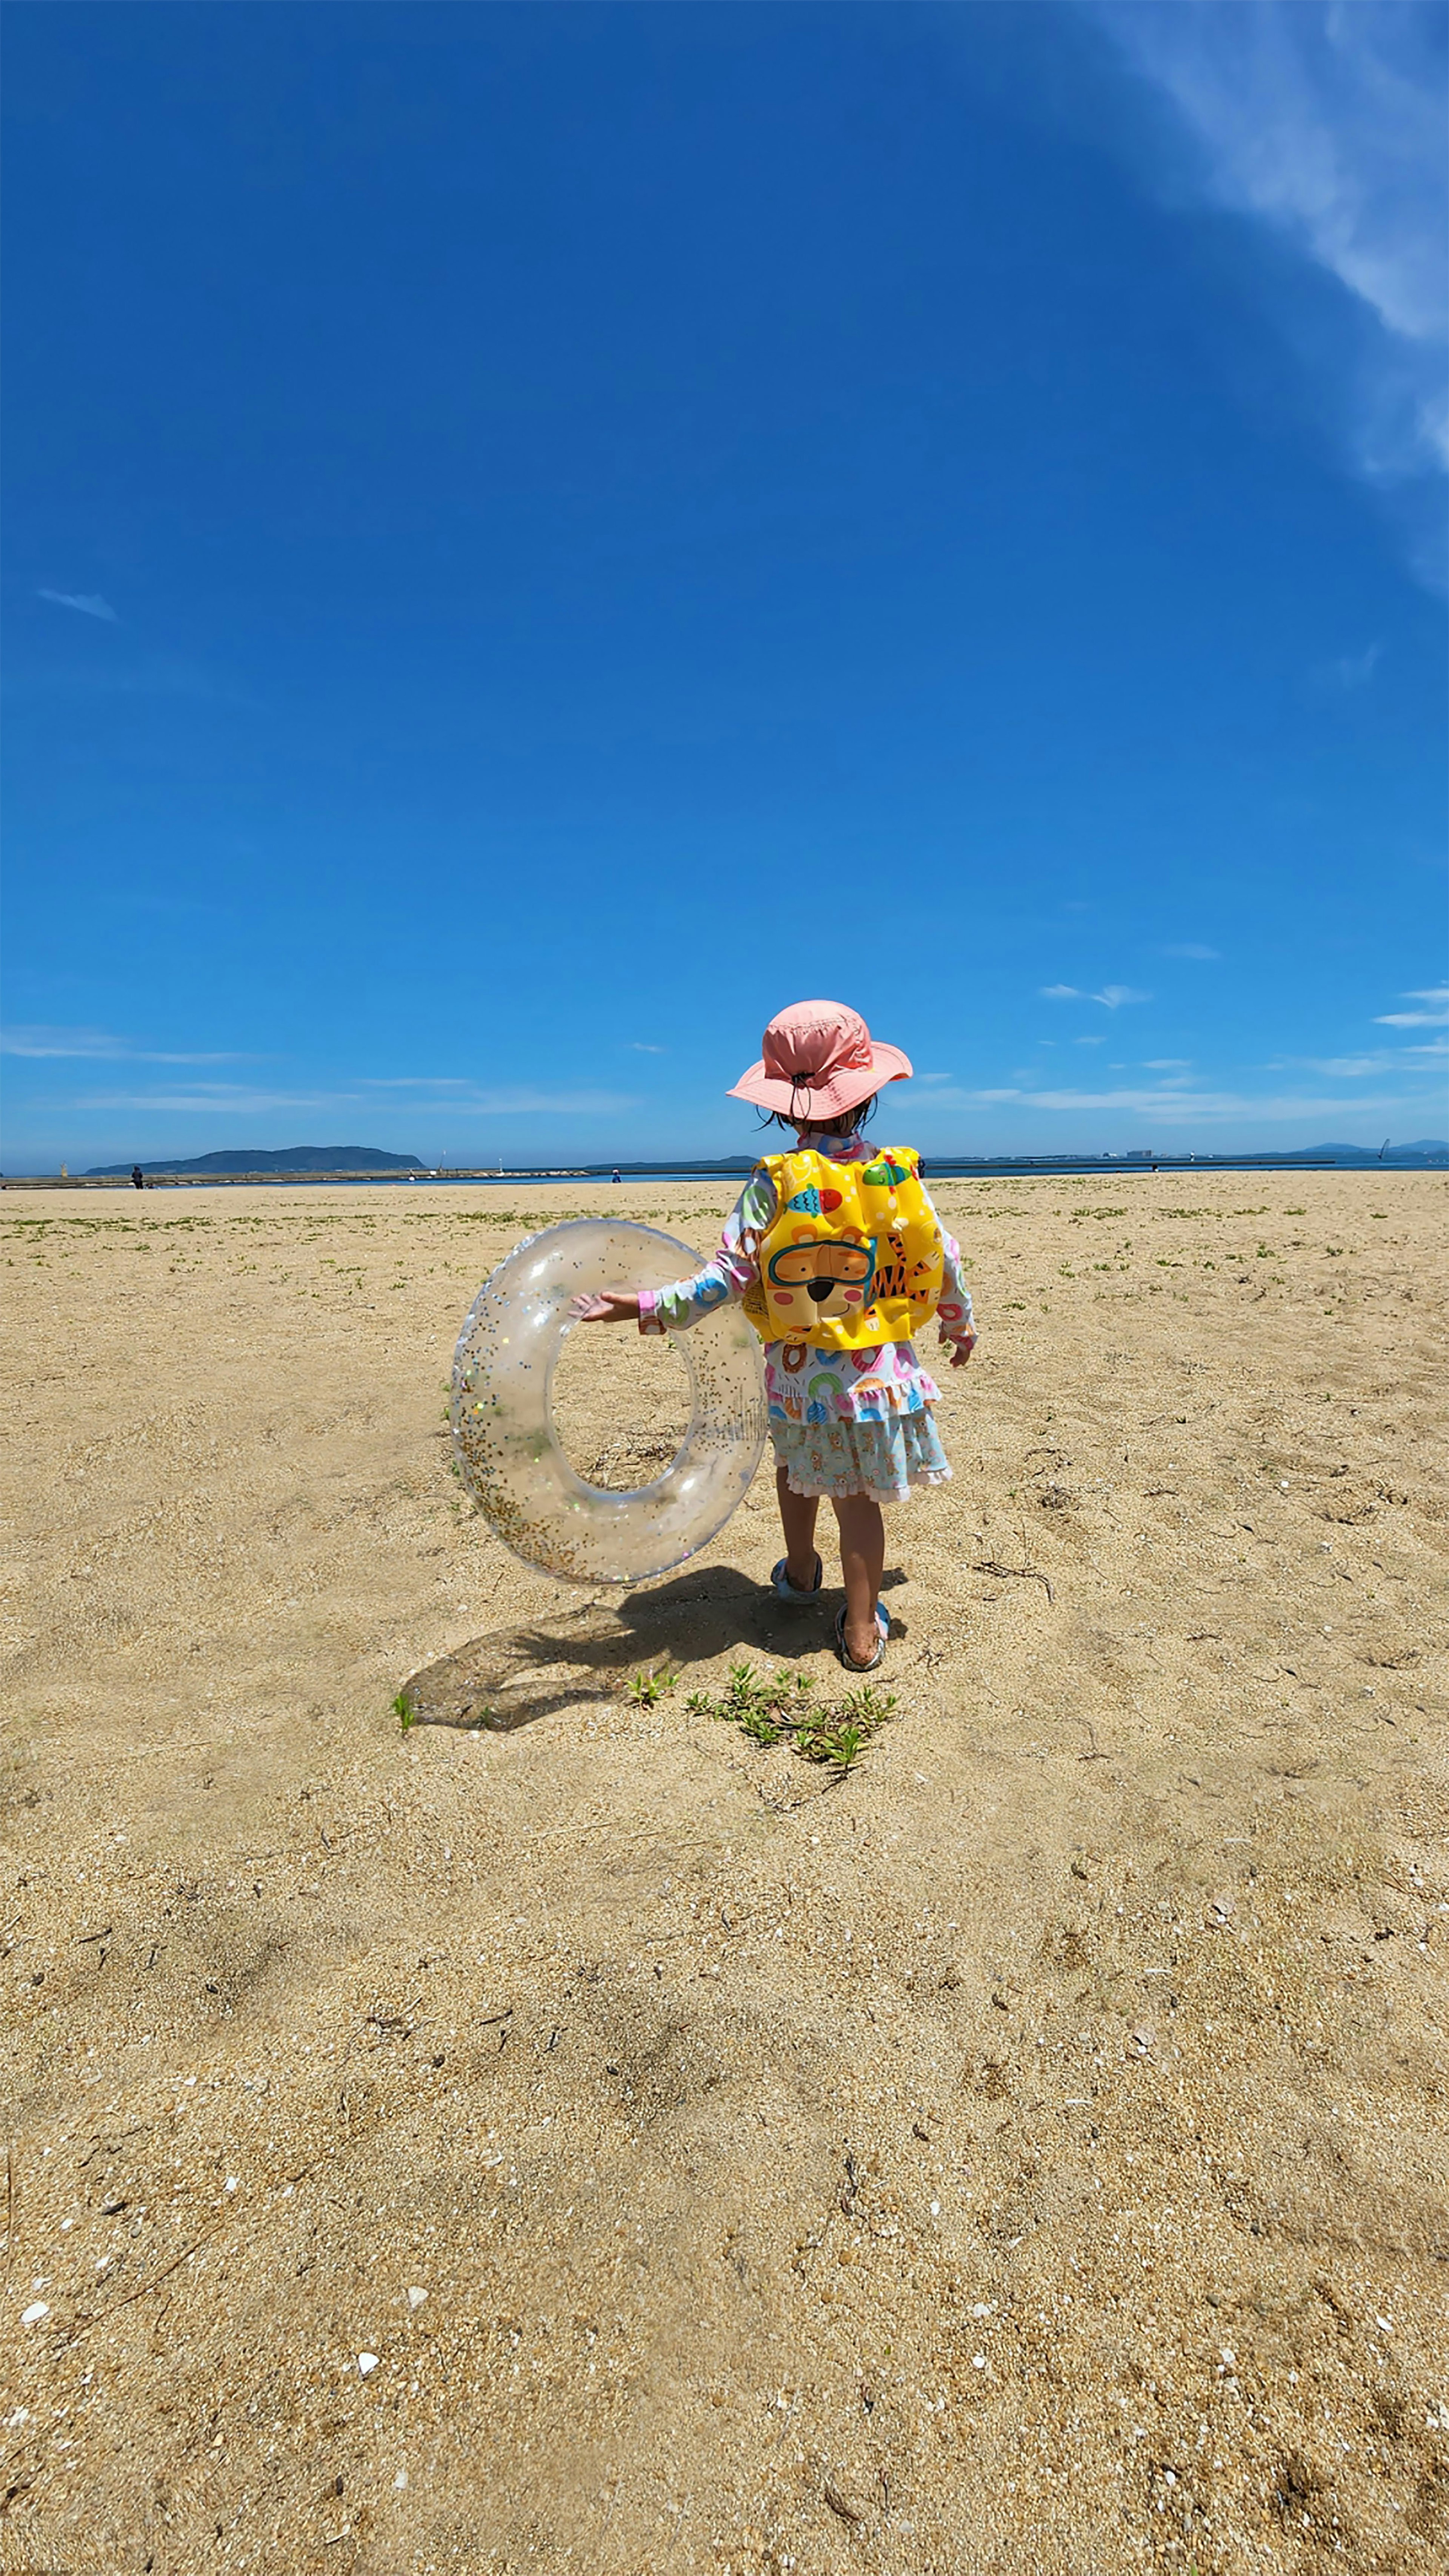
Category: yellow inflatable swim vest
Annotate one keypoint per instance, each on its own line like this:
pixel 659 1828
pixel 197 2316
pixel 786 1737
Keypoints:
pixel 852 1257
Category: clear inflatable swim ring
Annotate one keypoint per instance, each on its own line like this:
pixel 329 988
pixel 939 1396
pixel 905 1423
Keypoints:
pixel 504 1440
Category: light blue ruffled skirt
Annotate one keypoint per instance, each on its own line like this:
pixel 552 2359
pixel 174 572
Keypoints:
pixel 883 1459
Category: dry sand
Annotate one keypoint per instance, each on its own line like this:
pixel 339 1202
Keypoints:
pixel 1026 2153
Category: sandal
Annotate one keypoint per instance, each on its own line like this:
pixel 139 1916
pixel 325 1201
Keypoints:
pixel 785 1590
pixel 883 1623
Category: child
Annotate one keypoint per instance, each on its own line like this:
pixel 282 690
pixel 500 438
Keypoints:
pixel 837 1254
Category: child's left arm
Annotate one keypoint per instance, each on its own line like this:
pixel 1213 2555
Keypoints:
pixel 954 1316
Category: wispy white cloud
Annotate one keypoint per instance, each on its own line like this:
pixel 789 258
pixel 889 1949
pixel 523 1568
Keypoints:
pixel 1096 1039
pixel 1112 997
pixel 585 1104
pixel 1189 948
pixel 93 1045
pixel 456 1092
pixel 225 1099
pixel 1168 1063
pixel 1352 670
pixel 1436 1017
pixel 88 602
pixel 641 1046
pixel 1423 1057
pixel 1326 122
pixel 1181 1106
pixel 217 1099
pixel 1354 1068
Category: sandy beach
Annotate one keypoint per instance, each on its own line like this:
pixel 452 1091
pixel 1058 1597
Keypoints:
pixel 563 2135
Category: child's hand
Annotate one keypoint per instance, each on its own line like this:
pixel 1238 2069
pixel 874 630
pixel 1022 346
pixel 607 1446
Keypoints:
pixel 606 1306
pixel 961 1351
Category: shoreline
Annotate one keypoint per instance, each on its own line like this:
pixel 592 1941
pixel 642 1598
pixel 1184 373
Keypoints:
pixel 937 1168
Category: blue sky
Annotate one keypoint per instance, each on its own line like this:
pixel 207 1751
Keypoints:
pixel 538 535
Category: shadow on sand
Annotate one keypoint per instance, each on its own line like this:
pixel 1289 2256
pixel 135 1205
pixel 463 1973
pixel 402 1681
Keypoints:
pixel 513 1675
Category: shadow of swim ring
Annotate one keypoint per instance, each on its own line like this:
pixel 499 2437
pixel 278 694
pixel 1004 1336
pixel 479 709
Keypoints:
pixel 504 1439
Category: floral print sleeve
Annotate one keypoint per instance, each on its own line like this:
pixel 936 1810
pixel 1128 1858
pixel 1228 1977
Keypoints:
pixel 954 1317
pixel 729 1274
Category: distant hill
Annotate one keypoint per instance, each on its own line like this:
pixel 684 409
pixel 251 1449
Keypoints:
pixel 1431 1148
pixel 288 1158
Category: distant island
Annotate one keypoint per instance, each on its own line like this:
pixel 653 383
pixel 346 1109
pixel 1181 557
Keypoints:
pixel 288 1158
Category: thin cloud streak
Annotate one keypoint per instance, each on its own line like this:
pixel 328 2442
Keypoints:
pixel 1178 1105
pixel 236 1099
pixel 1113 997
pixel 215 1100
pixel 1436 1017
pixel 88 603
pixel 504 1104
pixel 94 1046
pixel 1351 1068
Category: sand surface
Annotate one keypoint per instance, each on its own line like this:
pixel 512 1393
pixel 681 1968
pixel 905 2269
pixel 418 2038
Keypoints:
pixel 1024 2153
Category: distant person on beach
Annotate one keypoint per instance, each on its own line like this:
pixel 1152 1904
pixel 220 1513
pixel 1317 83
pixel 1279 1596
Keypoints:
pixel 138 1177
pixel 616 1174
pixel 837 1255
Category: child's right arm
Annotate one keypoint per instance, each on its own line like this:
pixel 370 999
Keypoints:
pixel 728 1275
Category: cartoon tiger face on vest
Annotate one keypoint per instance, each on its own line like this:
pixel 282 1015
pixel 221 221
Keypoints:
pixel 852 1256
pixel 811 1282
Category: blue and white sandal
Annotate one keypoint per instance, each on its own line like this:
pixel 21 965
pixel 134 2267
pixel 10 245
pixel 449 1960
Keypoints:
pixel 785 1590
pixel 883 1624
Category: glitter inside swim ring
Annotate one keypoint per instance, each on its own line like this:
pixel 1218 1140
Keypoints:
pixel 504 1440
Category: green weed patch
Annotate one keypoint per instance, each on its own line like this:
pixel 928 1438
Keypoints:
pixel 781 1708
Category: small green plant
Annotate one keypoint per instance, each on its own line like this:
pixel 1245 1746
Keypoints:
pixel 780 1707
pixel 869 1707
pixel 842 1745
pixel 404 1711
pixel 646 1689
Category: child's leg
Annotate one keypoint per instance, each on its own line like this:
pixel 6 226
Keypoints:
pixel 862 1562
pixel 797 1519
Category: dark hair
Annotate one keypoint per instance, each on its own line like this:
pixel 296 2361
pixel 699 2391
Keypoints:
pixel 845 1125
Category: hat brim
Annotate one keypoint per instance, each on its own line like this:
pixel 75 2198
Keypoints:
pixel 803 1101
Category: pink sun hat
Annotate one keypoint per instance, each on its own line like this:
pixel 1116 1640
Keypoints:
pixel 817 1060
